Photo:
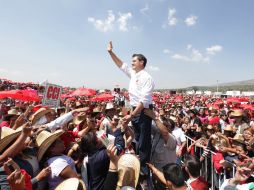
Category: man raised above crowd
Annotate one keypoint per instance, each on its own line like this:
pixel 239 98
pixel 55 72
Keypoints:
pixel 140 92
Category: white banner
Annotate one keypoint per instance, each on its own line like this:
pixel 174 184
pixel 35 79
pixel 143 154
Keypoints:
pixel 52 95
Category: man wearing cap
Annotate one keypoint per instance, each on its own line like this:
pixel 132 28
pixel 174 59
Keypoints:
pixel 140 91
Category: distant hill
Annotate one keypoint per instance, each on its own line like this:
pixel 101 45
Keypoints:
pixel 246 85
pixel 245 82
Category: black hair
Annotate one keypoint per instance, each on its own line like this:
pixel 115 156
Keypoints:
pixel 7 118
pixel 88 143
pixel 173 173
pixel 243 146
pixel 170 121
pixel 193 165
pixel 141 58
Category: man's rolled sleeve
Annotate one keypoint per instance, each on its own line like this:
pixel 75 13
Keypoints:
pixel 60 121
pixel 126 69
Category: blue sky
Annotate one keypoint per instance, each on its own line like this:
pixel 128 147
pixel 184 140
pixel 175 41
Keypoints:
pixel 186 42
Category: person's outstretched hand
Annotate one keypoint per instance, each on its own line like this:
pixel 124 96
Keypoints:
pixel 110 46
pixel 242 174
pixel 15 178
pixel 150 113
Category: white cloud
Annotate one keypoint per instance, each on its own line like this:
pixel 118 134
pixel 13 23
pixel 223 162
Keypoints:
pixel 214 49
pixel 144 10
pixel 103 25
pixel 167 51
pixel 109 23
pixel 122 20
pixel 189 46
pixel 195 56
pixel 171 13
pixel 153 68
pixel 191 20
pixel 180 57
pixel 172 20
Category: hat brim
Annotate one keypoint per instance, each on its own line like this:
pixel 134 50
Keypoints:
pixel 134 163
pixel 36 117
pixel 8 139
pixel 47 143
pixel 71 183
pixel 77 122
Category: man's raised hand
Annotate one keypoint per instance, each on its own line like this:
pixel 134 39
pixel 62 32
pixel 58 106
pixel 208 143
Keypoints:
pixel 110 46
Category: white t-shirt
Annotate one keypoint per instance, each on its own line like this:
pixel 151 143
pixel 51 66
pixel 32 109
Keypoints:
pixel 179 135
pixel 106 123
pixel 57 165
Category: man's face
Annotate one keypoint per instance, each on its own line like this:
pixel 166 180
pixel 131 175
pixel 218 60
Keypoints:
pixel 136 64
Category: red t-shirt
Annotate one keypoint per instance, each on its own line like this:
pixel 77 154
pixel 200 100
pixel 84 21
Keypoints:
pixel 68 137
pixel 199 184
pixel 4 124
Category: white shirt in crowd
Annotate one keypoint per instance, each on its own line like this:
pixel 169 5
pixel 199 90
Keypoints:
pixel 60 121
pixel 57 165
pixel 180 137
pixel 106 123
pixel 141 86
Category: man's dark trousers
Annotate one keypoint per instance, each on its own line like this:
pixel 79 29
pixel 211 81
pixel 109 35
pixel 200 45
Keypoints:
pixel 142 130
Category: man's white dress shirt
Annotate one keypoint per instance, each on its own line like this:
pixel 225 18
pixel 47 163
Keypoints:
pixel 140 87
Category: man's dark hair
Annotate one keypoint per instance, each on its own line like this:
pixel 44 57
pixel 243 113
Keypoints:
pixel 141 58
pixel 173 173
pixel 88 143
pixel 170 123
pixel 193 165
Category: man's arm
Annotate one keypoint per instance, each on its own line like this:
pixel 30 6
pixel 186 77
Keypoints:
pixel 117 61
pixel 138 109
pixel 163 129
pixel 158 174
pixel 17 146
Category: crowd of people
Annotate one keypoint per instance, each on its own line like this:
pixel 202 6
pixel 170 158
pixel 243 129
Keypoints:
pixel 45 148
pixel 146 140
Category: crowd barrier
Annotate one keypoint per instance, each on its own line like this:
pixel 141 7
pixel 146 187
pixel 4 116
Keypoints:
pixel 208 170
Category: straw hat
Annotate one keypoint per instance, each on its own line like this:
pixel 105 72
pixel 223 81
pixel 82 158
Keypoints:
pixel 79 118
pixel 128 162
pixel 236 113
pixel 228 128
pixel 13 112
pixel 173 118
pixel 78 104
pixel 7 136
pixel 127 188
pixel 109 106
pixel 239 138
pixel 38 114
pixel 161 112
pixel 71 184
pixel 97 109
pixel 224 143
pixel 44 141
pixel 209 127
pixel 120 114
